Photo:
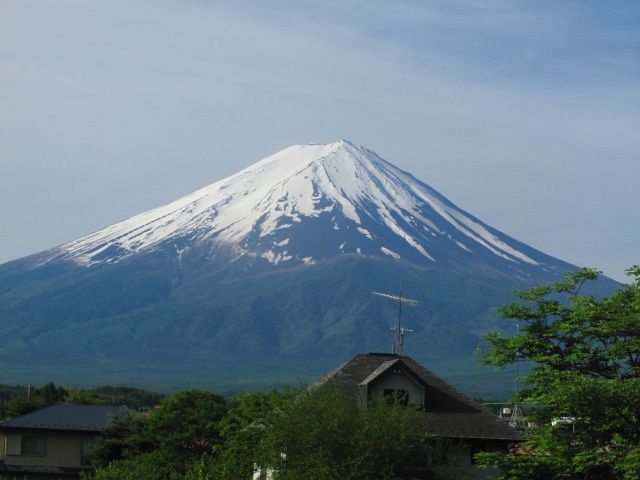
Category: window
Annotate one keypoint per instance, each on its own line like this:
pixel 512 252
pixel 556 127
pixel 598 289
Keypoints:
pixel 396 395
pixel 36 446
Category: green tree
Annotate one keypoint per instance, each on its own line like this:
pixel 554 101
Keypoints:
pixel 167 443
pixel 188 423
pixel 124 438
pixel 51 394
pixel 242 430
pixel 145 466
pixel 323 434
pixel 584 379
pixel 84 397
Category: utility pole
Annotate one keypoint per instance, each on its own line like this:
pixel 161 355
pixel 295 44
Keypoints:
pixel 517 418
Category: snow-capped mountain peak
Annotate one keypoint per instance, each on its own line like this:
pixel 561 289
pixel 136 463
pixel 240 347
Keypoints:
pixel 303 204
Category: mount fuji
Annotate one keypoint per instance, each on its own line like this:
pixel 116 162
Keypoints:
pixel 309 203
pixel 264 277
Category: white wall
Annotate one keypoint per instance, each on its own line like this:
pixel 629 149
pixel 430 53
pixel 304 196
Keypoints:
pixel 397 380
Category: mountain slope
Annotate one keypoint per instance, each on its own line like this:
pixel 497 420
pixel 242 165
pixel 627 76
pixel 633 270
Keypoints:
pixel 265 276
pixel 361 204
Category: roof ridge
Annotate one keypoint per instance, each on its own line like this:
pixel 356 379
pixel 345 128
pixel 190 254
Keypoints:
pixel 447 384
pixel 67 416
pixel 328 376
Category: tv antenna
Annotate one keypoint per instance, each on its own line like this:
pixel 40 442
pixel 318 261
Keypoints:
pixel 398 330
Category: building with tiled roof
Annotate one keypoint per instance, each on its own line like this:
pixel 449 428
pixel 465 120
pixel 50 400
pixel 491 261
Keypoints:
pixel 466 426
pixel 53 442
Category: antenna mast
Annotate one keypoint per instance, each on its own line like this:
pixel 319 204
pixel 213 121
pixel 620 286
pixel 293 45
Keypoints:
pixel 517 418
pixel 399 331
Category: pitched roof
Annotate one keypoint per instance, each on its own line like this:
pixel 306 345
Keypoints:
pixel 67 416
pixel 448 412
pixel 383 367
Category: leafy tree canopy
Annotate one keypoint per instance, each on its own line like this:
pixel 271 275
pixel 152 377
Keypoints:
pixel 164 445
pixel 298 433
pixel 243 430
pixel 584 379
pixel 188 423
pixel 323 434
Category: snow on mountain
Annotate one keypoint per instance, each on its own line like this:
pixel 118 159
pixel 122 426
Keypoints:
pixel 303 204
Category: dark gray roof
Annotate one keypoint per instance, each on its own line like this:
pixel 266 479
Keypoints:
pixel 449 413
pixel 67 416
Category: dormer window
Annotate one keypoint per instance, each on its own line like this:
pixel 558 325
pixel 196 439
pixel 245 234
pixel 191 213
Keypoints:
pixel 395 382
pixel 396 396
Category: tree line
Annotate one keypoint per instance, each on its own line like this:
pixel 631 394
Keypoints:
pixel 18 400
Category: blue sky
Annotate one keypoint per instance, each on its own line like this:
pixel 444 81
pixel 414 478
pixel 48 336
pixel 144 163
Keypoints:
pixel 526 114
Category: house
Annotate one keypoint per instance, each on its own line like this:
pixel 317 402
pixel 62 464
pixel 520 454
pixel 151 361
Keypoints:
pixel 52 442
pixel 465 427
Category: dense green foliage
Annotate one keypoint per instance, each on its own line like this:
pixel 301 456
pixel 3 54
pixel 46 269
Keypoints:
pixel 584 378
pixel 185 428
pixel 124 438
pixel 325 435
pixel 300 433
pixel 243 431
